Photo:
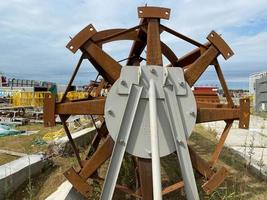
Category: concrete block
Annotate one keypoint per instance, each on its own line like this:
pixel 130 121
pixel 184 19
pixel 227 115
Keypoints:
pixel 17 172
pixel 65 192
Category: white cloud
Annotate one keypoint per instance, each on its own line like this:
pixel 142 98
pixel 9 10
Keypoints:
pixel 34 33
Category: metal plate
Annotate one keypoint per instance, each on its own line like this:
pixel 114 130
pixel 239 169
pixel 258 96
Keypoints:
pixel 154 12
pixel 131 75
pixel 81 38
pixel 139 141
pixel 220 44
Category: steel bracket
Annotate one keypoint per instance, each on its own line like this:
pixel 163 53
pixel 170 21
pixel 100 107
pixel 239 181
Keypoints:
pixel 154 12
pixel 220 44
pixel 79 39
pixel 244 113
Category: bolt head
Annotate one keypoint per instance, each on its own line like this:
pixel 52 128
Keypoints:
pixel 110 112
pixel 152 70
pixel 123 82
pixel 192 113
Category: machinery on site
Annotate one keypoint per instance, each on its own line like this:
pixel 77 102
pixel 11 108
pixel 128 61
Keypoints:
pixel 149 110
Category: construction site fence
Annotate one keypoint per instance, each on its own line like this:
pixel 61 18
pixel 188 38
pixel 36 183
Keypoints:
pixel 36 99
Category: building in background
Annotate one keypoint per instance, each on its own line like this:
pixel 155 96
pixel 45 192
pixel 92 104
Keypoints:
pixel 252 81
pixel 261 94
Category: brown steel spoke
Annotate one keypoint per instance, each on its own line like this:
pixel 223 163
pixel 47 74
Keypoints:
pixel 195 70
pixel 86 107
pixel 100 70
pixel 223 83
pixel 106 33
pixel 215 180
pixel 63 120
pixel 211 105
pixel 99 88
pixel 154 56
pixel 200 164
pixel 78 183
pixel 189 58
pixel 181 36
pixel 101 132
pixel 72 78
pixel 220 145
pixel 145 173
pixel 106 63
pixel 138 46
pixel 173 187
pixel 121 33
pixel 99 157
pixel 217 114
pixel 169 54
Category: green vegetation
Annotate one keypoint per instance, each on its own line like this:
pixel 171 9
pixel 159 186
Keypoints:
pixel 240 183
pixel 26 143
pixel 5 158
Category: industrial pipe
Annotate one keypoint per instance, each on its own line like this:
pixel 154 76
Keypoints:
pixel 156 177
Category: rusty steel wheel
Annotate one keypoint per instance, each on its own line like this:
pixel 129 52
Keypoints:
pixel 146 34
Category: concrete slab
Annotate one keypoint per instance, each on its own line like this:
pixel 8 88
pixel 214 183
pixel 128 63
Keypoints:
pixel 65 192
pixel 251 144
pixel 17 172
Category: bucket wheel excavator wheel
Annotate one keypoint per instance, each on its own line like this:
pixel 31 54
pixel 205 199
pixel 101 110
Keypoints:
pixel 149 111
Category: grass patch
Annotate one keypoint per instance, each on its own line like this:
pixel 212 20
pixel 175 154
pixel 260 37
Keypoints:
pixel 5 158
pixel 240 184
pixel 25 143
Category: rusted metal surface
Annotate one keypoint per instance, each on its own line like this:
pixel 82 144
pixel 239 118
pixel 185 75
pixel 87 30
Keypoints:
pixel 173 187
pixel 145 173
pixel 220 44
pixel 200 164
pixel 72 78
pixel 154 56
pixel 244 113
pixel 215 180
pixel 110 67
pixel 223 83
pixel 183 37
pixel 49 110
pixel 195 70
pixel 86 107
pixel 206 96
pixel 81 38
pixel 78 183
pixel 99 157
pixel 217 114
pixel 147 33
pixel 219 146
pixel 75 150
pixel 154 12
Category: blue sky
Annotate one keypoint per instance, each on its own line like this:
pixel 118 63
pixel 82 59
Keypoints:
pixel 34 34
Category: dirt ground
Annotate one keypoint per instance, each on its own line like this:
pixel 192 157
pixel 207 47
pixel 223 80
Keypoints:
pixel 240 184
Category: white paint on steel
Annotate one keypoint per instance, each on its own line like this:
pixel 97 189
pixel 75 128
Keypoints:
pixel 121 142
pixel 139 141
pixel 154 142
pixel 177 121
pixel 162 94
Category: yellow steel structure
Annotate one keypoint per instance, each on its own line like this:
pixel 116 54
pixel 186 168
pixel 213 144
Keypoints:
pixel 36 99
pixel 73 95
